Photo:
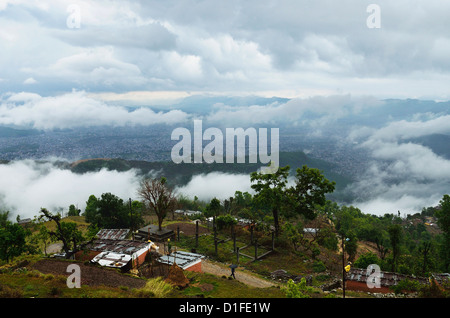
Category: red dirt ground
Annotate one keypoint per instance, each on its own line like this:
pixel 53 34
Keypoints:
pixel 90 274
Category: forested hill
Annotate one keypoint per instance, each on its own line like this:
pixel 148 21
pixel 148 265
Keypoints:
pixel 181 174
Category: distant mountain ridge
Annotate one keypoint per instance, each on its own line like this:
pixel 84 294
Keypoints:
pixel 181 174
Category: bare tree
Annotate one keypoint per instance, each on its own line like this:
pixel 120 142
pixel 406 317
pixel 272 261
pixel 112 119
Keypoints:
pixel 157 197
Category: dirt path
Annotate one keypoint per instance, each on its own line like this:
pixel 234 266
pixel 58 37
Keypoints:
pixel 246 278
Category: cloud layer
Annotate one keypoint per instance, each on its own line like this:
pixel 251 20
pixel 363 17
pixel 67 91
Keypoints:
pixel 215 185
pixel 76 109
pixel 27 185
pixel 299 48
pixel 402 175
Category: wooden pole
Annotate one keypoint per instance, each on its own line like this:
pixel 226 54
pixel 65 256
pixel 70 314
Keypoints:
pixel 343 267
pixel 196 234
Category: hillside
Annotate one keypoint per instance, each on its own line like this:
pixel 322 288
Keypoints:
pixel 181 174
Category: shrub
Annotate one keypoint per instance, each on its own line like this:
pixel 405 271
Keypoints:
pixel 7 292
pixel 54 291
pixel 299 290
pixel 366 259
pixel 319 266
pixel 433 291
pixel 155 287
pixel 406 285
pixel 225 221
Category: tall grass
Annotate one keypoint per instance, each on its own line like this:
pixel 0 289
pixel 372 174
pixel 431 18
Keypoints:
pixel 155 287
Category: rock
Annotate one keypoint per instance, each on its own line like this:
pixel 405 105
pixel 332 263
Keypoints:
pixel 333 285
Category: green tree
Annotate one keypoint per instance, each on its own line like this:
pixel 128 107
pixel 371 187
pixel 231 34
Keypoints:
pixel 12 240
pixel 351 245
pixel 395 235
pixel 271 192
pixel 293 233
pixel 242 199
pixel 309 191
pixel 4 215
pixel 299 290
pixel 73 211
pixel 213 208
pixel 66 232
pixel 44 236
pixel 137 211
pixel 112 212
pixel 225 221
pixel 91 210
pixel 328 239
pixel 443 220
pixel 367 259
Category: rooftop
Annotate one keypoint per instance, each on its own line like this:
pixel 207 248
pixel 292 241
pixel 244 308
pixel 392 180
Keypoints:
pixel 182 259
pixel 127 247
pixel 113 234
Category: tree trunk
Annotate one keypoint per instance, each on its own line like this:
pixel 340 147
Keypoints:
pixel 275 221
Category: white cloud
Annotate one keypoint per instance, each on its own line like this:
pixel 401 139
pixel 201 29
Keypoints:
pixel 26 186
pixel 30 80
pixel 215 46
pixel 296 111
pixel 76 109
pixel 402 175
pixel 215 184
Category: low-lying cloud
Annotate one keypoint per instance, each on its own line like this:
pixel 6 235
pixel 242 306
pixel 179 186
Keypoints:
pixel 312 111
pixel 215 184
pixel 76 109
pixel 402 175
pixel 27 185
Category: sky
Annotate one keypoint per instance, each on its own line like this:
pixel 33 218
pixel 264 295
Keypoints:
pixel 66 64
pixel 136 50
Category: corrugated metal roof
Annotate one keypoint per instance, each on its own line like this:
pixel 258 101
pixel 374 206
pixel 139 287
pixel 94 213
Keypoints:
pixel 120 246
pixel 111 259
pixel 113 234
pixel 386 278
pixel 182 259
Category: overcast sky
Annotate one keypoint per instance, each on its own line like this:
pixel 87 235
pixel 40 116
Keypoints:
pixel 66 63
pixel 271 48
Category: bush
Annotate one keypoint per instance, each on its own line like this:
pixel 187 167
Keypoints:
pixel 54 291
pixel 406 285
pixel 299 290
pixel 225 221
pixel 433 291
pixel 319 266
pixel 7 292
pixel 366 259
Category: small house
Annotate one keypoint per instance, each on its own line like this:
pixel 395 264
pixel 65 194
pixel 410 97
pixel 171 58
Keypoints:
pixel 185 260
pixel 111 249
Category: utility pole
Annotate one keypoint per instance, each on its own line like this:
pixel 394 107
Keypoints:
pixel 131 219
pixel 343 267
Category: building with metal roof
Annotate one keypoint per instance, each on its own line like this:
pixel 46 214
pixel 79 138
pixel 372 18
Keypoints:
pixel 113 234
pixel 119 253
pixel 357 279
pixel 186 260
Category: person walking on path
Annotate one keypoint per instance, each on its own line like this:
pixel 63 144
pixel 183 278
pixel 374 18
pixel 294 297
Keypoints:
pixel 233 267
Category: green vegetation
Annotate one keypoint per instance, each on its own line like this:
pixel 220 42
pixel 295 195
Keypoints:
pixel 307 229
